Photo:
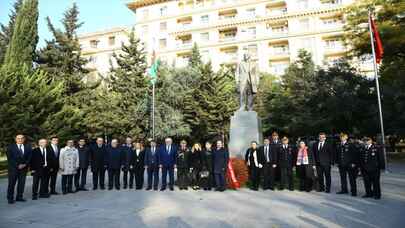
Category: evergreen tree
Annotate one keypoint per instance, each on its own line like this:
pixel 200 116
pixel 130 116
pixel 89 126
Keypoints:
pixel 128 81
pixel 6 31
pixel 21 48
pixel 27 100
pixel 61 57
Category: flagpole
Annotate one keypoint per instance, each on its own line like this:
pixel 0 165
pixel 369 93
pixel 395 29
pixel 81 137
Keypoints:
pixel 377 84
pixel 153 111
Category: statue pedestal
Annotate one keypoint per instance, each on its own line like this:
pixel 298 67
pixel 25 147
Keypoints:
pixel 245 128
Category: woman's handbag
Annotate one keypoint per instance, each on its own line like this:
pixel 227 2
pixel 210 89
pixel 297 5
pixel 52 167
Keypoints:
pixel 204 174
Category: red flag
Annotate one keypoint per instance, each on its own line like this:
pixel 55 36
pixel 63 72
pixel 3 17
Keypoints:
pixel 379 50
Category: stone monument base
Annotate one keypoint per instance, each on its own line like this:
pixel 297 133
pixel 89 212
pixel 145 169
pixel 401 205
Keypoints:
pixel 245 128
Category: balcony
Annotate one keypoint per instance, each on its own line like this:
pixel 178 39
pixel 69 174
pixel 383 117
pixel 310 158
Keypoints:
pixel 276 8
pixel 331 3
pixel 227 14
pixel 184 41
pixel 228 35
pixel 185 22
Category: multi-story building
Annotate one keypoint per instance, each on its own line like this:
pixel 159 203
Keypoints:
pixel 272 31
pixel 98 48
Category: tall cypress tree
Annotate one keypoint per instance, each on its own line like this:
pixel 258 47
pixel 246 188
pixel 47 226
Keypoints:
pixel 61 57
pixel 21 49
pixel 6 31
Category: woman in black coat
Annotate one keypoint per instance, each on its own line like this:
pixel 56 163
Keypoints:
pixel 306 169
pixel 195 165
pixel 207 174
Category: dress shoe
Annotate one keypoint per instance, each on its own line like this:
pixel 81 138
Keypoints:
pixel 342 192
pixel 34 197
pixel 155 189
pixel 54 193
pixel 94 188
pixel 354 194
pixel 171 189
pixel 84 189
pixel 149 188
pixel 44 196
pixel 366 196
pixel 102 188
pixel 377 197
pixel 162 189
pixel 21 200
pixel 10 201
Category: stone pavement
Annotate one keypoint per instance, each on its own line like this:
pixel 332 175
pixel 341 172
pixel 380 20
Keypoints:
pixel 242 208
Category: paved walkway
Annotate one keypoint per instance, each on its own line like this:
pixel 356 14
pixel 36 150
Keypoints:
pixel 242 208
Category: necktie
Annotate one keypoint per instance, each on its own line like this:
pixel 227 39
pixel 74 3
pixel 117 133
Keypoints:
pixel 55 148
pixel 267 153
pixel 21 149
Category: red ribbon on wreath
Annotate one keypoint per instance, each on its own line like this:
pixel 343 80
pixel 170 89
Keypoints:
pixel 231 174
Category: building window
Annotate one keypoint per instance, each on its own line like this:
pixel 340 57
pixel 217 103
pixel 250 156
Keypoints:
pixel 252 50
pixel 93 59
pixel 205 36
pixel 145 14
pixel 162 43
pixel 111 40
pixel 251 32
pixel 304 24
pixel 302 4
pixel 306 43
pixel 204 19
pixel 144 29
pixel 251 13
pixel 335 43
pixel 281 49
pixel 163 11
pixel 278 68
pixel 94 43
pixel 280 29
pixel 163 26
pixel 205 56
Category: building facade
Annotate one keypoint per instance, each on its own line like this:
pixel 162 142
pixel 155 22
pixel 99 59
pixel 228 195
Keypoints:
pixel 98 48
pixel 271 31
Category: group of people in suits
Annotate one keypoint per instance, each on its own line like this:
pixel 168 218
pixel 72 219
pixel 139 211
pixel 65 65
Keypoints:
pixel 196 167
pixel 313 163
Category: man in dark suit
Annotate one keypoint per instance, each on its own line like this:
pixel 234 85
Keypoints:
pixel 40 163
pixel 54 156
pixel 127 154
pixel 18 159
pixel 84 159
pixel 114 161
pixel 347 159
pixel 152 165
pixel 220 160
pixel 286 160
pixel 323 152
pixel 270 153
pixel 98 162
pixel 167 162
pixel 371 162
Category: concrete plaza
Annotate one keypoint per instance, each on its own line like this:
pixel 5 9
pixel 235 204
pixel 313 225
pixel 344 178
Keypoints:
pixel 242 208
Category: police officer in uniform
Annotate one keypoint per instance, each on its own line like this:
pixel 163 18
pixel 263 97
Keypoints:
pixel 285 162
pixel 347 159
pixel 372 162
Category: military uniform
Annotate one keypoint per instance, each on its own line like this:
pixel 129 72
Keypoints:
pixel 183 167
pixel 347 158
pixel 286 161
pixel 372 161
